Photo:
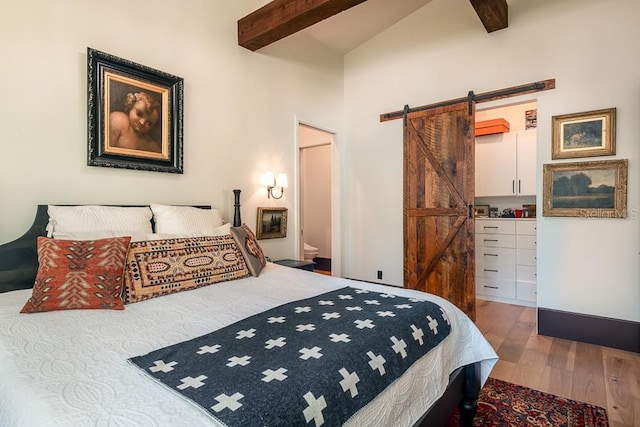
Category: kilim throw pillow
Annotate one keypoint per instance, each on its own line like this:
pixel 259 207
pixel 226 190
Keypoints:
pixel 250 248
pixel 160 267
pixel 78 274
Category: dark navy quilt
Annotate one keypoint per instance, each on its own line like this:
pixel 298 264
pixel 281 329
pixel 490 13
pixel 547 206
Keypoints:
pixel 315 361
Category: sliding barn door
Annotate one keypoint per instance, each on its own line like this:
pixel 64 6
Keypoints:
pixel 438 203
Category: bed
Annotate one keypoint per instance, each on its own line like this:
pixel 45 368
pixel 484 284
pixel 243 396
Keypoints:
pixel 76 367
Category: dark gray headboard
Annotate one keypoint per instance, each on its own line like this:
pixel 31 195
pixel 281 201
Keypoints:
pixel 19 258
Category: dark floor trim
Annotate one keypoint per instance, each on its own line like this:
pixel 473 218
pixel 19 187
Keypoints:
pixel 616 333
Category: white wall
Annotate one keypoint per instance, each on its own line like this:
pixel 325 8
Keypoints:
pixel 239 106
pixel 589 266
pixel 315 171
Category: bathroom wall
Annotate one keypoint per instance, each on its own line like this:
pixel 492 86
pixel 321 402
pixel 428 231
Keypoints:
pixel 315 189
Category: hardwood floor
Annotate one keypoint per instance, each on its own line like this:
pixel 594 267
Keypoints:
pixel 602 376
pixel 326 273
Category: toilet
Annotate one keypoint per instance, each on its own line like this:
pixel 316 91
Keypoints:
pixel 310 252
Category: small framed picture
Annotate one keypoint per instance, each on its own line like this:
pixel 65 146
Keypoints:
pixel 531 119
pixel 272 223
pixel 588 134
pixel 482 211
pixel 596 189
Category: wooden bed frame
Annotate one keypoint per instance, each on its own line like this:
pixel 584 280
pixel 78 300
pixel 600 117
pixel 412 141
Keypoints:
pixel 19 266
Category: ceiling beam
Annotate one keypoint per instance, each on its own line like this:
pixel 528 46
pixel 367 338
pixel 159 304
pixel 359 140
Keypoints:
pixel 281 18
pixel 494 14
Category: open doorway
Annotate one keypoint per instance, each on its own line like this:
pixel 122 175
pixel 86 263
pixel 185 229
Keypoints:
pixel 315 147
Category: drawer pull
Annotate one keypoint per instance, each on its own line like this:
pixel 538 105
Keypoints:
pixel 490 240
pixel 491 287
pixel 490 254
pixel 490 271
pixel 492 226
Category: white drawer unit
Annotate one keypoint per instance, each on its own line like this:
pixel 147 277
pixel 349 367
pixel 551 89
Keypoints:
pixel 495 226
pixel 526 227
pixel 496 271
pixel 525 242
pixel 526 273
pixel 527 292
pixel 526 257
pixel 496 240
pixel 506 260
pixel 495 256
pixel 496 288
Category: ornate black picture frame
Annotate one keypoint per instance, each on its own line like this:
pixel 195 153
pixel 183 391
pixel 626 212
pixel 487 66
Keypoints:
pixel 135 115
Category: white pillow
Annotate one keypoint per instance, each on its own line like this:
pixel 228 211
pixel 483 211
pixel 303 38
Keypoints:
pixel 135 237
pixel 192 221
pixel 90 218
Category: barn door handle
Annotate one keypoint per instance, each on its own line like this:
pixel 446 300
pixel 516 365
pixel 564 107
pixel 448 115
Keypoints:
pixel 470 211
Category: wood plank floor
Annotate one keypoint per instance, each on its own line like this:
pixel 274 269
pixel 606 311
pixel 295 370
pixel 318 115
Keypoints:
pixel 602 376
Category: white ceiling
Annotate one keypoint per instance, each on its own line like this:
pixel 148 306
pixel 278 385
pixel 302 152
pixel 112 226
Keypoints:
pixel 354 26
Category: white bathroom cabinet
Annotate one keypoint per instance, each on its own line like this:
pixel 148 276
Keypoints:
pixel 505 164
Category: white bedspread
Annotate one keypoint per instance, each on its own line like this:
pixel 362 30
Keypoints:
pixel 69 368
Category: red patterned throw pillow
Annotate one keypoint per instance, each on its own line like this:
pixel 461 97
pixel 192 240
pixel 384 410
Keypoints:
pixel 251 250
pixel 160 267
pixel 79 274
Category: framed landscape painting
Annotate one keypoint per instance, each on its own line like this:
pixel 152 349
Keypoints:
pixel 596 189
pixel 587 134
pixel 272 223
pixel 135 115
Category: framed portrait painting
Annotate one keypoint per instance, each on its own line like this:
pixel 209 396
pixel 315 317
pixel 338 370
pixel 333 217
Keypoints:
pixel 596 189
pixel 272 223
pixel 135 115
pixel 587 134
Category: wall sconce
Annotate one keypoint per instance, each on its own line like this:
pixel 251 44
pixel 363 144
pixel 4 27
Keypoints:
pixel 272 181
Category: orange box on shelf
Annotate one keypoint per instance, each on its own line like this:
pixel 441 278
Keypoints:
pixel 489 127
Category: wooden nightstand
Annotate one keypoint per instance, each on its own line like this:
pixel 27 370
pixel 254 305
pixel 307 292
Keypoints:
pixel 296 263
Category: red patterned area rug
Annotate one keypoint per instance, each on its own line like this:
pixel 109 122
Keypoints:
pixel 505 404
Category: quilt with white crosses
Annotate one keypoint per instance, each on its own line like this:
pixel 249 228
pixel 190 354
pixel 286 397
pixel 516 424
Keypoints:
pixel 315 361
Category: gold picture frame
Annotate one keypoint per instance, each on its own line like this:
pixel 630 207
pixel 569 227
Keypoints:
pixel 482 211
pixel 587 134
pixel 595 189
pixel 271 223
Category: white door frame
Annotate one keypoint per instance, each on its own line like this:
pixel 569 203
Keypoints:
pixel 336 241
